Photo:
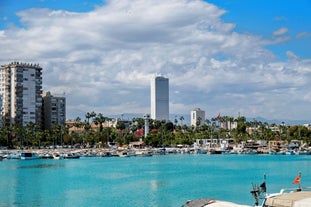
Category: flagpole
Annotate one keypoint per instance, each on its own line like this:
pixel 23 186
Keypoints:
pixel 297 180
pixel 299 187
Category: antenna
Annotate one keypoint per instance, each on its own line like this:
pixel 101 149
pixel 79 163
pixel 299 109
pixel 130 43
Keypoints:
pixel 259 192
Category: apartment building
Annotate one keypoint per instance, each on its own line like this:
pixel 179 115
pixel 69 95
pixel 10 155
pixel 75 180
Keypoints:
pixel 21 88
pixel 54 110
pixel 197 117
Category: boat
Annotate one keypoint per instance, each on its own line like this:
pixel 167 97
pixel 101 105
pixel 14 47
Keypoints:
pixel 288 199
pixel 29 156
pixel 143 153
pixel 292 197
pixel 57 156
pixel 46 155
pixel 14 155
pixel 71 156
pixel 209 202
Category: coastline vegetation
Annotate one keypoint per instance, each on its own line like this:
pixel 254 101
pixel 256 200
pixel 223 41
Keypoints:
pixel 162 133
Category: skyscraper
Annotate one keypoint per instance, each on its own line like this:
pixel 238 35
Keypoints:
pixel 21 88
pixel 159 98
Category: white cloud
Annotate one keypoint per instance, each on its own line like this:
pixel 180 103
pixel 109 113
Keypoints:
pixel 103 59
pixel 302 34
pixel 280 31
pixel 290 55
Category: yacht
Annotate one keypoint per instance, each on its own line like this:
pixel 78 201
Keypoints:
pixel 292 197
pixel 285 198
pixel 288 199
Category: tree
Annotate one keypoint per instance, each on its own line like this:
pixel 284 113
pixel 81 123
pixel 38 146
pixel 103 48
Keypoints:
pixel 99 120
pixel 77 122
pixel 181 118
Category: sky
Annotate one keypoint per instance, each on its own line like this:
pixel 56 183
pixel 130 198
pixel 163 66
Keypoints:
pixel 241 57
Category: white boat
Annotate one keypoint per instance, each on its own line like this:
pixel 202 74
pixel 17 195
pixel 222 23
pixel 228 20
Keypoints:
pixel 285 198
pixel 57 156
pixel 14 155
pixel 71 156
pixel 296 197
pixel 29 156
pixel 143 153
pixel 208 202
pixel 288 199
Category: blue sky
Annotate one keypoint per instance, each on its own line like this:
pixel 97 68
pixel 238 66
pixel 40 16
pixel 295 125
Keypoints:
pixel 263 17
pixel 247 57
pixel 255 16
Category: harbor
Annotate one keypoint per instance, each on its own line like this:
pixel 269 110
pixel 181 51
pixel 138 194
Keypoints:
pixel 156 180
pixel 200 146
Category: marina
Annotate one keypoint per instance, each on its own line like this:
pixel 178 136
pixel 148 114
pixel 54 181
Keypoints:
pixel 156 180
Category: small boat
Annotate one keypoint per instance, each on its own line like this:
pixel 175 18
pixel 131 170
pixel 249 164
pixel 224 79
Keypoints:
pixel 71 156
pixel 46 156
pixel 29 156
pixel 209 202
pixel 14 155
pixel 143 153
pixel 292 198
pixel 289 199
pixel 57 156
pixel 285 198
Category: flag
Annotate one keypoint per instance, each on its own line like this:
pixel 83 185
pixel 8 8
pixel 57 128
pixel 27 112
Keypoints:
pixel 263 187
pixel 218 117
pixel 296 180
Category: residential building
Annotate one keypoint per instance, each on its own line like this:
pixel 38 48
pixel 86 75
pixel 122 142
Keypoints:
pixel 54 110
pixel 159 98
pixel 227 124
pixel 1 120
pixel 21 88
pixel 197 117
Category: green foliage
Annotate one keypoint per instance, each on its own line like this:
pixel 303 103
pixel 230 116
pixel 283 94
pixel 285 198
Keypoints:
pixel 162 133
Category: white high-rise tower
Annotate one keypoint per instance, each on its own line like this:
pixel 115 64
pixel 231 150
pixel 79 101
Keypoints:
pixel 159 98
pixel 197 117
pixel 21 89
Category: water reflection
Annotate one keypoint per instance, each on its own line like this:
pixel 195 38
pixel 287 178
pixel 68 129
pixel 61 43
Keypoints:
pixel 43 166
pixel 32 183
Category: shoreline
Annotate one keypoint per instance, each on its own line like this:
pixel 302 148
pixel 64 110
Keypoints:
pixel 128 152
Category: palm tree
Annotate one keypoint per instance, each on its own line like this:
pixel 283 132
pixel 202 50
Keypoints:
pixel 198 121
pixel 175 121
pixel 92 115
pixel 88 116
pixel 100 119
pixel 207 122
pixel 181 118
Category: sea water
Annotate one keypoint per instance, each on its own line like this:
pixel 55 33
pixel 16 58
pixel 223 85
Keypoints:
pixel 168 180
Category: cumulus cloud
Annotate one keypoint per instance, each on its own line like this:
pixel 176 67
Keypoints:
pixel 280 31
pixel 103 59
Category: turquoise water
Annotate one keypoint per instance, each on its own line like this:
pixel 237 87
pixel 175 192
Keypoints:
pixel 168 180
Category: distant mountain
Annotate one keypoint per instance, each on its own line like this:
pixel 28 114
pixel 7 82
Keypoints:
pixel 278 121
